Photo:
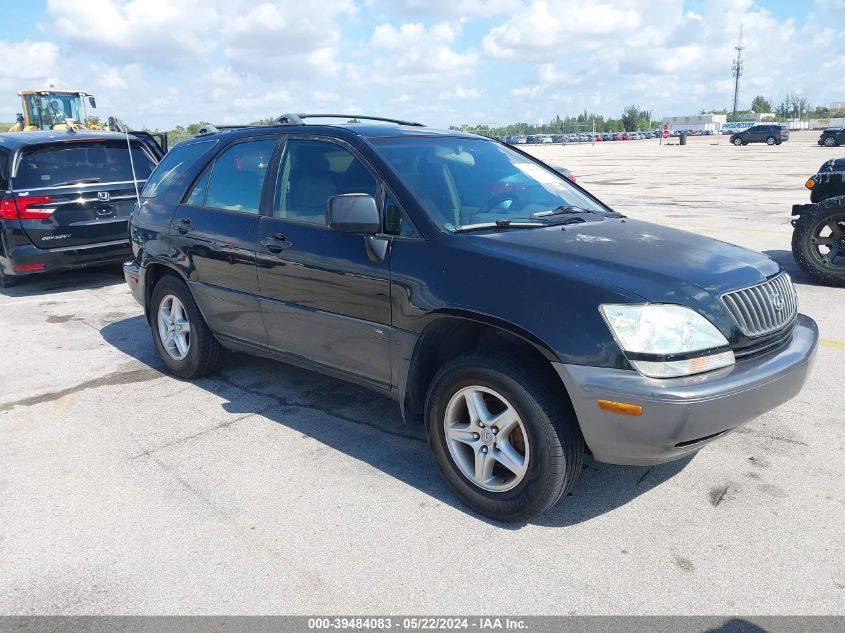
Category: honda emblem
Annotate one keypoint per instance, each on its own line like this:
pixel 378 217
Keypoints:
pixel 103 196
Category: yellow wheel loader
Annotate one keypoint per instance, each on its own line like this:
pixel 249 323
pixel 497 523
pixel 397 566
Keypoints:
pixel 54 110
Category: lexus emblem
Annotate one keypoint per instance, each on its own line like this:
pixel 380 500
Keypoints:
pixel 777 301
pixel 103 196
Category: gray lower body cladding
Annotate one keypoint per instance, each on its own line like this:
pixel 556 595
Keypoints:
pixel 681 415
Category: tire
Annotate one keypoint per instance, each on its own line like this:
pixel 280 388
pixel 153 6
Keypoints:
pixel 771 140
pixel 806 246
pixel 545 435
pixel 202 354
pixel 737 141
pixel 830 141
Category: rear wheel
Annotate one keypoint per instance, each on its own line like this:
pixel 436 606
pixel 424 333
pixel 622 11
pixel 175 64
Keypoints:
pixel 182 338
pixel 771 140
pixel 504 439
pixel 818 242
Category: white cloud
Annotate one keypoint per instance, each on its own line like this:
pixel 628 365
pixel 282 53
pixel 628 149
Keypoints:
pixel 286 38
pixel 166 33
pixel 446 9
pixel 416 55
pixel 28 61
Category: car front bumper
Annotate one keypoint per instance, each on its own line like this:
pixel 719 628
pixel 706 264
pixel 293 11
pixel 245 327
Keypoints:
pixel 681 415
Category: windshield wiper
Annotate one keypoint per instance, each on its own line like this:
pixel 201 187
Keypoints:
pixel 561 210
pixel 76 181
pixel 504 223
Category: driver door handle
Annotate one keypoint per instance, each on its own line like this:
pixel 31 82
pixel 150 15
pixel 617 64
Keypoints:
pixel 184 225
pixel 276 243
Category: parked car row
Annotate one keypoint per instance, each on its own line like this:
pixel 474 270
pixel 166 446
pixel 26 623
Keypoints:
pixel 581 137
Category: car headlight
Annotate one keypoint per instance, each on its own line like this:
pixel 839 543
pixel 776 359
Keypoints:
pixel 665 340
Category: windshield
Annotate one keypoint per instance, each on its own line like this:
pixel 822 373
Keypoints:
pixel 466 182
pixel 55 109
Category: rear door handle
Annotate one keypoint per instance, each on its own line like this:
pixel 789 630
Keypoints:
pixel 276 243
pixel 184 225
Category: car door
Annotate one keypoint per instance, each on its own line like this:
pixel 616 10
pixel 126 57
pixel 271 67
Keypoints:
pixel 214 232
pixel 325 297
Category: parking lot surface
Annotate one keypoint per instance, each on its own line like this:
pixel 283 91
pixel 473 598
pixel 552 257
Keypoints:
pixel 269 489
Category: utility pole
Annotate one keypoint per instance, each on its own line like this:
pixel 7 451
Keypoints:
pixel 737 68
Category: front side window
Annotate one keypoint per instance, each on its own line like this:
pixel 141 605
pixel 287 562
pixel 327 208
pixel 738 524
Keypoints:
pixel 467 181
pixel 70 163
pixel 238 176
pixel 173 165
pixel 313 171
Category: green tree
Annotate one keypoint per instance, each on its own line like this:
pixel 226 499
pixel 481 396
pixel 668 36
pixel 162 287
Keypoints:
pixel 761 104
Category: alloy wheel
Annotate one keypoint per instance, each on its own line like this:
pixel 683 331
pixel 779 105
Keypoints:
pixel 486 438
pixel 174 328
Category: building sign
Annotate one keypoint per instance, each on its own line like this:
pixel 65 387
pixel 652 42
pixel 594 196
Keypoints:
pixel 737 125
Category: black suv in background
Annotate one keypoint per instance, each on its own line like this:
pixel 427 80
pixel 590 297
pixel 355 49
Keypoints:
pixel 66 198
pixel 504 307
pixel 768 134
pixel 832 137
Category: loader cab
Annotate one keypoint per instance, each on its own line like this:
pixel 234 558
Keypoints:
pixel 52 110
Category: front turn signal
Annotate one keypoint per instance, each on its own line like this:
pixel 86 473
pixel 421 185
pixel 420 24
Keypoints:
pixel 622 408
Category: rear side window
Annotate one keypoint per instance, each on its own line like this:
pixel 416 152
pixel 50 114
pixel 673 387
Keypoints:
pixel 173 165
pixel 238 176
pixel 69 163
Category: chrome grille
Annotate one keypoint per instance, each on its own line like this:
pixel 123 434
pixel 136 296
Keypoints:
pixel 763 308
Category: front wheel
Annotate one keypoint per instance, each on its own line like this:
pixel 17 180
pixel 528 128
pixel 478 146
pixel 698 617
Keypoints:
pixel 504 438
pixel 830 142
pixel 182 338
pixel 737 142
pixel 818 242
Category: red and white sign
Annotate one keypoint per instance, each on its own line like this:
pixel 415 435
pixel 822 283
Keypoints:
pixel 665 130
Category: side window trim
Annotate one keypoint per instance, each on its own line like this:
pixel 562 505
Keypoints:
pixel 384 192
pixel 213 163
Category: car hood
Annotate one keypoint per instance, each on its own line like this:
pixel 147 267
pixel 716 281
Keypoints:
pixel 655 262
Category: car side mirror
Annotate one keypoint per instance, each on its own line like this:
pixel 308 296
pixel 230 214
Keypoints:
pixel 353 213
pixel 92 101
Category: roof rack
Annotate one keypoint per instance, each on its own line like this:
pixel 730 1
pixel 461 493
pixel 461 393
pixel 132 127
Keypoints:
pixel 297 119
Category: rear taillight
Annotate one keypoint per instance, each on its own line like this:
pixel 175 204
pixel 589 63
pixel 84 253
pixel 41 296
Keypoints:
pixel 19 208
pixel 571 177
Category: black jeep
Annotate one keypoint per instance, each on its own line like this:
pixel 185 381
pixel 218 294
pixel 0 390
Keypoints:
pixel 818 241
pixel 516 316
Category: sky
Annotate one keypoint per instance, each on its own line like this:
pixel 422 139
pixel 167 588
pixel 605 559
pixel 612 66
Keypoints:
pixel 159 63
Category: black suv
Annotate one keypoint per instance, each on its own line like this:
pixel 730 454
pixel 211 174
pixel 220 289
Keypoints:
pixel 66 198
pixel 768 134
pixel 504 307
pixel 832 137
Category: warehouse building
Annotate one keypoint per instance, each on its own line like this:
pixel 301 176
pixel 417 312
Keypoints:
pixel 703 122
